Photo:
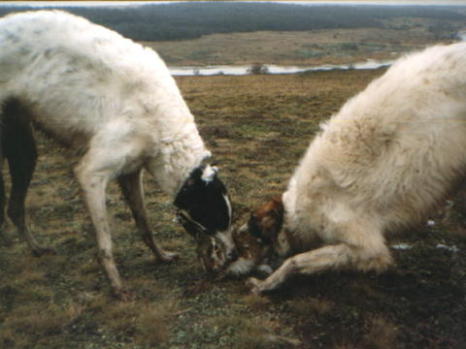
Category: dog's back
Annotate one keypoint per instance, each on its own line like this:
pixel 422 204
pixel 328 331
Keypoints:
pixel 117 103
pixel 64 67
pixel 381 163
pixel 394 150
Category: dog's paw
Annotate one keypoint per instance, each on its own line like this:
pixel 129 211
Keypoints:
pixel 167 256
pixel 265 269
pixel 124 295
pixel 254 285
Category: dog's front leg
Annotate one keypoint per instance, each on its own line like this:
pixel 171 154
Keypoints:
pixel 132 188
pixel 363 257
pixel 93 182
pixel 305 263
pixel 3 237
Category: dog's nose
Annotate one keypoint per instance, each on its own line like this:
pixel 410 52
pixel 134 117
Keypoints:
pixel 233 255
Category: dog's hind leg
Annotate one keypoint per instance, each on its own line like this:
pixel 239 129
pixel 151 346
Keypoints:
pixel 20 149
pixel 3 237
pixel 132 188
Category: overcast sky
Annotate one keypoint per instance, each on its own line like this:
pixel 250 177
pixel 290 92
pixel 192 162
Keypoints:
pixel 125 3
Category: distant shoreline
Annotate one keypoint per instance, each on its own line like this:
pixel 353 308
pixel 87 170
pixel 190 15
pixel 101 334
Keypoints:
pixel 272 69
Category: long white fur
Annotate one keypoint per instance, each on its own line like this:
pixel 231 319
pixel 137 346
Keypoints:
pixel 103 94
pixel 108 89
pixel 380 164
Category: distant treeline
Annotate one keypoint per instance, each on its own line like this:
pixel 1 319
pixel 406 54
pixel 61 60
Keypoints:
pixel 152 22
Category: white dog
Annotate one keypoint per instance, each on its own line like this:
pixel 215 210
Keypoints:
pixel 116 102
pixel 381 164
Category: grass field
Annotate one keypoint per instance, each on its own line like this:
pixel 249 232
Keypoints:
pixel 326 46
pixel 258 127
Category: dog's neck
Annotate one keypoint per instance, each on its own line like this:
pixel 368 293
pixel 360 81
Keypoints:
pixel 288 241
pixel 291 242
pixel 283 245
pixel 177 159
pixel 204 163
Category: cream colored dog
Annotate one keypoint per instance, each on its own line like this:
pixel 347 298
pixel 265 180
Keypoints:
pixel 381 164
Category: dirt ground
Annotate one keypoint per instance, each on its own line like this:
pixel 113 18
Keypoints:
pixel 258 128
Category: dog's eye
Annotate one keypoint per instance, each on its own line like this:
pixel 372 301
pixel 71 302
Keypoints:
pixel 254 228
pixel 256 231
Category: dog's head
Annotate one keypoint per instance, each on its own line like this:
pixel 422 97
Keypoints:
pixel 204 210
pixel 256 239
pixel 266 222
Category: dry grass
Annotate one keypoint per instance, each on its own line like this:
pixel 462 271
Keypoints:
pixel 329 46
pixel 258 128
pixel 380 333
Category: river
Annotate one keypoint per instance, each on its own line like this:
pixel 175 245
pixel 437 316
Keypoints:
pixel 279 69
pixel 272 69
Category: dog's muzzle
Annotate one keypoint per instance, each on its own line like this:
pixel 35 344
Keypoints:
pixel 194 228
pixel 212 250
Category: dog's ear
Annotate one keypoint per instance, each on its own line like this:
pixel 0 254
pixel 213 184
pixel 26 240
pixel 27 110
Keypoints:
pixel 266 222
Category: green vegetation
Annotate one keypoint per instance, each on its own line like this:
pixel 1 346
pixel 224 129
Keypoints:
pixel 258 128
